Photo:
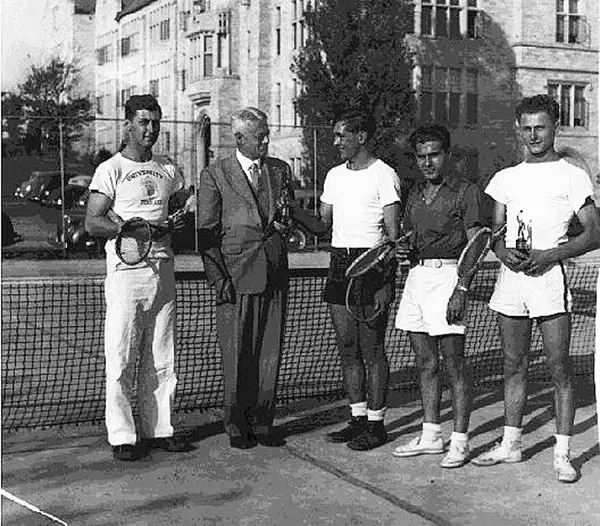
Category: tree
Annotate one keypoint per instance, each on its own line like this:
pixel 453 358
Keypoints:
pixel 48 95
pixel 356 55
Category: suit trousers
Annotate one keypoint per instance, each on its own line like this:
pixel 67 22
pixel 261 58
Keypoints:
pixel 250 335
pixel 140 327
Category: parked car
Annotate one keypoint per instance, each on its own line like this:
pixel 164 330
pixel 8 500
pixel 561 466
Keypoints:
pixel 75 196
pixel 80 180
pixel 39 182
pixel 51 184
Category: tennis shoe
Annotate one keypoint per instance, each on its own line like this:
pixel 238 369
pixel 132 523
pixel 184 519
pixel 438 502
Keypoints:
pixel 418 446
pixel 356 426
pixel 128 452
pixel 457 455
pixel 374 435
pixel 504 453
pixel 565 472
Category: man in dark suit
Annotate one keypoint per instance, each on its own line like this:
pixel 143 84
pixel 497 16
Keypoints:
pixel 245 260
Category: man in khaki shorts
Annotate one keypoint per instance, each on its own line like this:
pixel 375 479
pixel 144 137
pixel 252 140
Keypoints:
pixel 536 200
pixel 442 212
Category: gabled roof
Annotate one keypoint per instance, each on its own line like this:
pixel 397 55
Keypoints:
pixel 85 7
pixel 131 6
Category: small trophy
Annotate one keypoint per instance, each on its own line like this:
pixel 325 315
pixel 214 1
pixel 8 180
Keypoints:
pixel 523 235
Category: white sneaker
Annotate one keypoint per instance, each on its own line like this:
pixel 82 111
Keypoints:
pixel 508 453
pixel 565 472
pixel 417 446
pixel 457 455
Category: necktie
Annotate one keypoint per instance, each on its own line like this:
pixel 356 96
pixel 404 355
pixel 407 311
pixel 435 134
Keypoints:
pixel 254 175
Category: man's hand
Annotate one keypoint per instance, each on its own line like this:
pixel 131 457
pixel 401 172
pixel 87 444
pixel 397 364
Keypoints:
pixel 225 291
pixel 512 258
pixel 384 296
pixel 178 220
pixel 538 262
pixel 457 306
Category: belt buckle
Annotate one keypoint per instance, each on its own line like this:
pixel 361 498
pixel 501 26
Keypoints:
pixel 437 263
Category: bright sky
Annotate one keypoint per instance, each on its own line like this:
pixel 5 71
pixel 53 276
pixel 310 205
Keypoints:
pixel 21 26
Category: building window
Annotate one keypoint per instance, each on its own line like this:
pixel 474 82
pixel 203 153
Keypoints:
pixel 222 40
pixel 278 104
pixel 294 110
pixel 572 103
pixel 278 32
pixel 472 97
pixel 126 93
pixel 153 88
pixel 568 21
pixel 165 29
pixel 100 105
pixel 449 18
pixel 103 55
pixel 297 23
pixel 442 93
pixel 183 79
pixel 208 56
pixel 126 46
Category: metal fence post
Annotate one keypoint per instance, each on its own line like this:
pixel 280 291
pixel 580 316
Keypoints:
pixel 62 186
pixel 315 183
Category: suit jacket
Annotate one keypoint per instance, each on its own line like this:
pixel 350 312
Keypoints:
pixel 236 242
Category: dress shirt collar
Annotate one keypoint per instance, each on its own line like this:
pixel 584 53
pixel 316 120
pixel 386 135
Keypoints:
pixel 245 162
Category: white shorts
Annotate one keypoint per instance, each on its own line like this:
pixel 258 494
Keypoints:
pixel 516 294
pixel 425 300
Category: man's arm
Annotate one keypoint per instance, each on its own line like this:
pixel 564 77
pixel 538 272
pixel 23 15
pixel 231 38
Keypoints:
pixel 326 213
pixel 391 220
pixel 100 221
pixel 589 239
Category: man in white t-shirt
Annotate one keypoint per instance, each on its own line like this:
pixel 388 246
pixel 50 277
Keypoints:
pixel 536 200
pixel 140 299
pixel 361 200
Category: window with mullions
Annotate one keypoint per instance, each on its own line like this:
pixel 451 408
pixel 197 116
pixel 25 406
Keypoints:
pixel 568 21
pixel 440 18
pixel 572 103
pixel 449 95
pixel 449 18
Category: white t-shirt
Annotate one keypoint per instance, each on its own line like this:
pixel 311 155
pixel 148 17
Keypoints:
pixel 544 195
pixel 358 198
pixel 138 189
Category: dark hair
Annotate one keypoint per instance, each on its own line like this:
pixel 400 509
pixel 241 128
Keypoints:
pixel 434 132
pixel 141 102
pixel 357 120
pixel 539 103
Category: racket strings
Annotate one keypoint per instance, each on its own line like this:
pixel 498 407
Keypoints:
pixel 135 241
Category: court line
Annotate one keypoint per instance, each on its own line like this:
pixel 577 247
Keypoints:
pixel 346 477
pixel 31 507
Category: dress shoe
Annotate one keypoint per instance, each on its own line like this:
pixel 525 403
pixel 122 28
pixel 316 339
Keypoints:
pixel 271 439
pixel 242 441
pixel 128 452
pixel 174 444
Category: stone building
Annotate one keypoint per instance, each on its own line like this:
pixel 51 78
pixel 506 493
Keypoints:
pixel 474 60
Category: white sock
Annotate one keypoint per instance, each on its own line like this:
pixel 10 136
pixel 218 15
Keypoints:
pixel 431 432
pixel 359 409
pixel 563 443
pixel 512 434
pixel 459 438
pixel 374 415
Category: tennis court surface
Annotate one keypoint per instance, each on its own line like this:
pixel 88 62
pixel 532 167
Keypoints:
pixel 52 379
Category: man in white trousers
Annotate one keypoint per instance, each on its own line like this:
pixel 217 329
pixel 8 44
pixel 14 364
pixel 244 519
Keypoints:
pixel 140 299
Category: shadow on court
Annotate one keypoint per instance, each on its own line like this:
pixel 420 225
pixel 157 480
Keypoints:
pixel 70 473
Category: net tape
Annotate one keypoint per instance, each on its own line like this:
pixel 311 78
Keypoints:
pixel 53 361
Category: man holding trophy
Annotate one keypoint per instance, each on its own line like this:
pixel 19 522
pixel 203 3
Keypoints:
pixel 536 200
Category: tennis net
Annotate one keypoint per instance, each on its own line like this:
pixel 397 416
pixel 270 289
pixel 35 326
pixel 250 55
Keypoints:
pixel 52 344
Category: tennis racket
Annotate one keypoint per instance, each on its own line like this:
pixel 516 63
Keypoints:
pixel 135 238
pixel 367 261
pixel 476 250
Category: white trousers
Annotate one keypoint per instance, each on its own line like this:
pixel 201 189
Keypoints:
pixel 140 327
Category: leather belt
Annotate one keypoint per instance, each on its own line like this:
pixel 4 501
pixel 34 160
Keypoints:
pixel 434 263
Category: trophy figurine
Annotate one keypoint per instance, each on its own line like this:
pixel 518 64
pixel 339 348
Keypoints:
pixel 523 235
